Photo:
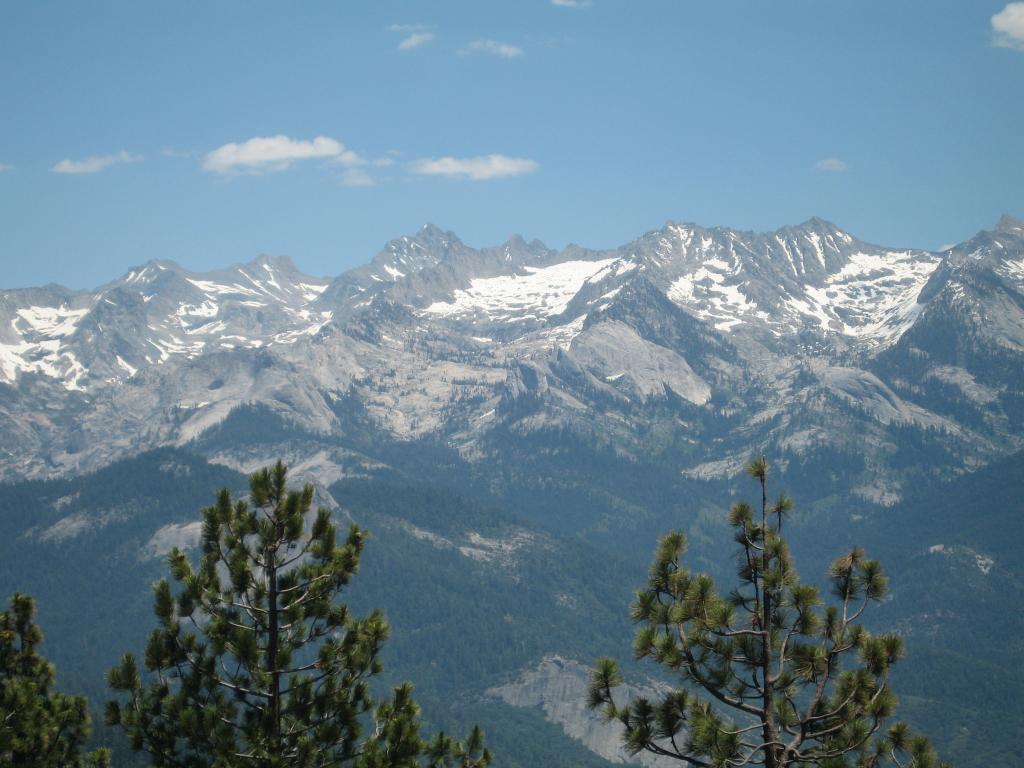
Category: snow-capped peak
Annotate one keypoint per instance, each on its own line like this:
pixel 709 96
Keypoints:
pixel 154 313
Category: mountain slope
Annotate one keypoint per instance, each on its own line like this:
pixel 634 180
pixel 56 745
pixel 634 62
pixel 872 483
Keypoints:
pixel 471 591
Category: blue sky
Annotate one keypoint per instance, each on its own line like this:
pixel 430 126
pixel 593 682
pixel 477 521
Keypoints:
pixel 211 132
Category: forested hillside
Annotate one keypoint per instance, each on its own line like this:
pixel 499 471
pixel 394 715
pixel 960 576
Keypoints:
pixel 477 592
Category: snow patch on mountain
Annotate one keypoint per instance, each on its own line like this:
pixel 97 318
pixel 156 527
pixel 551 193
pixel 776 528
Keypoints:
pixel 1014 269
pixel 51 321
pixel 290 337
pixel 46 358
pixel 795 279
pixel 711 293
pixel 542 342
pixel 310 291
pixel 538 292
pixel 874 297
pixel 152 315
pixel 219 289
pixel 37 344
pixel 131 370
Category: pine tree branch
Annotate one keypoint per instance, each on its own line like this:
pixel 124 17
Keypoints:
pixel 307 545
pixel 303 585
pixel 140 723
pixel 651 746
pixel 738 731
pixel 781 668
pixel 818 757
pixel 215 678
pixel 707 685
pixel 737 632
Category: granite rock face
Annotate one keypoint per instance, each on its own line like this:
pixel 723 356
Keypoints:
pixel 558 686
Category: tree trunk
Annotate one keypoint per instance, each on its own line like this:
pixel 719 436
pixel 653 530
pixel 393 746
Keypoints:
pixel 272 650
pixel 768 701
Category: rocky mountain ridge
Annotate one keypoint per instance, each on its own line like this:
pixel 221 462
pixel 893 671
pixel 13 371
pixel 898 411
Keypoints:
pixel 695 342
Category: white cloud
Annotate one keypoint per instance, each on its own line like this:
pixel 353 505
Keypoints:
pixel 356 177
pixel 504 50
pixel 1008 26
pixel 408 27
pixel 273 153
pixel 475 168
pixel 831 164
pixel 351 159
pixel 415 35
pixel 571 3
pixel 6 168
pixel 95 163
pixel 415 40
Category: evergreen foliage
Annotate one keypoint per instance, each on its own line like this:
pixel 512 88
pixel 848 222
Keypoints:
pixel 255 662
pixel 771 676
pixel 39 727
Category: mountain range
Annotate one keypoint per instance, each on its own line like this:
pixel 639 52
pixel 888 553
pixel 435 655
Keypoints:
pixel 517 425
pixel 706 343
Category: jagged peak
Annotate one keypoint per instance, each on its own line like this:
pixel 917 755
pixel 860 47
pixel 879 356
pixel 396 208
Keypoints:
pixel 431 229
pixel 283 263
pixel 52 288
pixel 145 273
pixel 429 238
pixel 161 264
pixel 673 226
pixel 984 239
pixel 1009 224
pixel 430 233
pixel 815 224
pixel 516 244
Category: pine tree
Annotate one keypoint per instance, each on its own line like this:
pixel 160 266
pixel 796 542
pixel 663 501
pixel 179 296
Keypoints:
pixel 255 662
pixel 770 675
pixel 39 727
